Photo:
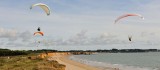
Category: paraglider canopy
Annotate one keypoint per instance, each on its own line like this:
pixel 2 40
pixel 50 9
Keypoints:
pixel 43 6
pixel 39 33
pixel 127 15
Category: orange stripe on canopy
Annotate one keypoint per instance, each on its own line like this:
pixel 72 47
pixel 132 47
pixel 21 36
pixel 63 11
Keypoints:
pixel 36 33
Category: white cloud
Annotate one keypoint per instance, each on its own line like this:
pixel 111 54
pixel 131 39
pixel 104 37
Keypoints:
pixel 8 33
pixel 26 36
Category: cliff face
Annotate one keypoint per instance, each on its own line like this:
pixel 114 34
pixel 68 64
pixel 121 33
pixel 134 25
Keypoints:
pixel 43 55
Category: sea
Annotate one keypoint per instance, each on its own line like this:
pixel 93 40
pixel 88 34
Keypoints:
pixel 123 61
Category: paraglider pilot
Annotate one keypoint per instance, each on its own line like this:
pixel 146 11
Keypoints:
pixel 130 38
pixel 38 29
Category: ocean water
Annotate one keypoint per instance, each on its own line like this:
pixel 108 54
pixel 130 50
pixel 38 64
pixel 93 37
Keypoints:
pixel 123 61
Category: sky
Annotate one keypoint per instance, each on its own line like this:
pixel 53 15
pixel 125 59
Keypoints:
pixel 79 24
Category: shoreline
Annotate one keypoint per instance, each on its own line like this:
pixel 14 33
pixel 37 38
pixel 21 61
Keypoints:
pixel 72 65
pixel 75 65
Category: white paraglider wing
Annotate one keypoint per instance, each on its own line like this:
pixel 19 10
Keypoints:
pixel 43 6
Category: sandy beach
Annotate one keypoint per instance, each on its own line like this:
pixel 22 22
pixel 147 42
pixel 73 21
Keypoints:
pixel 73 65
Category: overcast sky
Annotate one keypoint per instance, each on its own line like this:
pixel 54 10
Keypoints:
pixel 79 24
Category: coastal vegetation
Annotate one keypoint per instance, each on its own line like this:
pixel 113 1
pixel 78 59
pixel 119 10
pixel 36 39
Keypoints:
pixel 8 52
pixel 29 62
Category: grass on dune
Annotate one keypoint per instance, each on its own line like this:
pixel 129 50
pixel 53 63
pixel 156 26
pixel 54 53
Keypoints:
pixel 23 63
pixel 18 63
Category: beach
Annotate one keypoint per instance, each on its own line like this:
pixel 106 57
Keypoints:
pixel 74 65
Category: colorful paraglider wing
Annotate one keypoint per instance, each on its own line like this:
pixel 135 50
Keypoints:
pixel 38 33
pixel 126 15
pixel 43 6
